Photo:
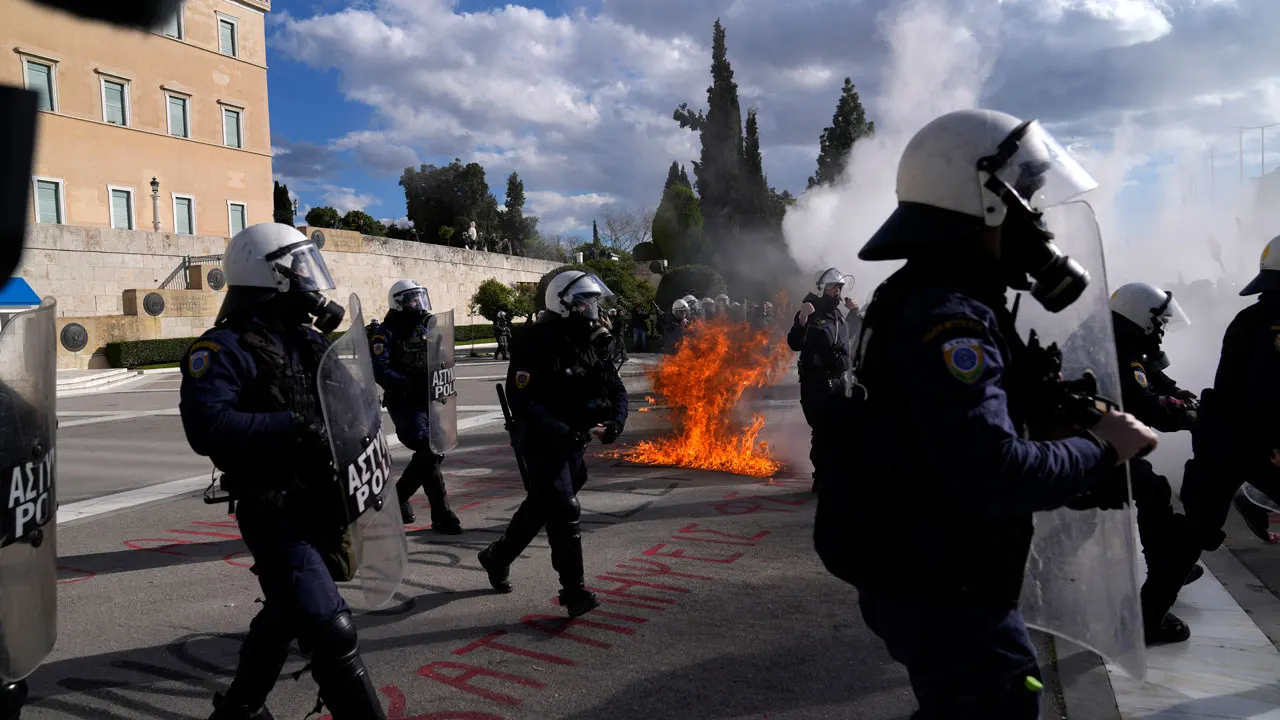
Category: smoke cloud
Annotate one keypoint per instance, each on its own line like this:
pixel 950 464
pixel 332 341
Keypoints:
pixel 1199 230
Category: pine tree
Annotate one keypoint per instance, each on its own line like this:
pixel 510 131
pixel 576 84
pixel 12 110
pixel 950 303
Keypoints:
pixel 514 225
pixel 755 191
pixel 684 178
pixel 848 125
pixel 673 176
pixel 719 170
pixel 283 210
pixel 595 233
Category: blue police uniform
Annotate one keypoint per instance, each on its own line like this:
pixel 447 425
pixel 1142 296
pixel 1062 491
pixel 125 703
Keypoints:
pixel 249 403
pixel 1237 425
pixel 401 356
pixel 559 388
pixel 936 531
pixel 823 344
pixel 672 334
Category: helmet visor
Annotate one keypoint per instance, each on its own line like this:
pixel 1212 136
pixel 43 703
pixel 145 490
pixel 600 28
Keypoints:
pixel 1042 172
pixel 585 294
pixel 1169 317
pixel 304 267
pixel 414 300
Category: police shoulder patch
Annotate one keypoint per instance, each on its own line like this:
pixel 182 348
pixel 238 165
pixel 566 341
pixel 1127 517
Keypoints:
pixel 522 379
pixel 378 344
pixel 206 345
pixel 964 358
pixel 954 325
pixel 198 363
pixel 1140 375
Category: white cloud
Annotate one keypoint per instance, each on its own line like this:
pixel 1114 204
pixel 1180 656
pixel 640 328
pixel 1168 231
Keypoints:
pixel 580 104
pixel 345 199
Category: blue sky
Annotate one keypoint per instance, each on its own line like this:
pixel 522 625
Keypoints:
pixel 577 96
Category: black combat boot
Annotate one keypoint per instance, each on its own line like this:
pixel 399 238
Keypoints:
pixel 12 697
pixel 499 574
pixel 224 709
pixel 578 601
pixel 566 558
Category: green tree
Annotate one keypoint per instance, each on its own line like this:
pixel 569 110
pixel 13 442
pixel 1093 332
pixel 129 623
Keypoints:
pixel 283 212
pixel 514 224
pixel 629 291
pixel 491 297
pixel 323 217
pixel 450 196
pixel 645 252
pixel 363 223
pixel 698 280
pixel 848 126
pixel 673 176
pixel 398 232
pixel 684 178
pixel 678 226
pixel 719 169
pixel 595 233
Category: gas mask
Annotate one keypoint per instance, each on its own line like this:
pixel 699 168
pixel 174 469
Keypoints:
pixel 1155 355
pixel 312 307
pixel 1028 173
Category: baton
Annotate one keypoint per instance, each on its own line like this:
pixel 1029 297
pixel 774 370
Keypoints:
pixel 506 416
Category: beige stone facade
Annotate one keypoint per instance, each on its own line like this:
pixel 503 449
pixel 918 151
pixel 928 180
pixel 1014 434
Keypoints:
pixel 101 279
pixel 185 104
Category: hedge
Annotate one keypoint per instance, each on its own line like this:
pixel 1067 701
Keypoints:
pixel 136 353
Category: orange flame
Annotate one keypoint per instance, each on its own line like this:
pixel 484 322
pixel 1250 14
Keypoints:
pixel 702 384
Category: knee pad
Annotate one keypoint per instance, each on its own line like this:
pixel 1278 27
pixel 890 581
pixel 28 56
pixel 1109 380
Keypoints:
pixel 333 641
pixel 562 521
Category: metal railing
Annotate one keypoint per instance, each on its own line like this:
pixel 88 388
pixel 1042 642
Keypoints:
pixel 180 273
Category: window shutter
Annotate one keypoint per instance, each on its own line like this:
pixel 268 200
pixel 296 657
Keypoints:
pixel 40 80
pixel 113 97
pixel 231 128
pixel 178 116
pixel 182 218
pixel 121 217
pixel 47 205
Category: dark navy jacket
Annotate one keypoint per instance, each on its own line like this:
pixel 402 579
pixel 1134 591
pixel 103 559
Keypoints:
pixel 556 383
pixel 823 344
pixel 944 478
pixel 225 415
pixel 1239 419
pixel 1148 393
pixel 400 349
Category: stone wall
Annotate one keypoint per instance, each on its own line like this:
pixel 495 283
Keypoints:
pixel 101 279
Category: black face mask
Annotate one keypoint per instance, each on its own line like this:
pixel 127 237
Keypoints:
pixel 827 303
pixel 311 307
pixel 1026 249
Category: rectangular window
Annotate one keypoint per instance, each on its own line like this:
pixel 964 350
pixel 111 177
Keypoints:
pixel 179 116
pixel 40 80
pixel 231 128
pixel 115 102
pixel 184 215
pixel 236 215
pixel 49 201
pixel 173 26
pixel 227 39
pixel 121 208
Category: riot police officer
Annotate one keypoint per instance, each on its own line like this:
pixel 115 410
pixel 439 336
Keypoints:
pixel 675 326
pixel 502 333
pixel 250 403
pixel 402 350
pixel 936 533
pixel 821 335
pixel 1141 314
pixel 1235 439
pixel 562 388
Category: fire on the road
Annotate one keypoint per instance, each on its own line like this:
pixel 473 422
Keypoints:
pixel 701 385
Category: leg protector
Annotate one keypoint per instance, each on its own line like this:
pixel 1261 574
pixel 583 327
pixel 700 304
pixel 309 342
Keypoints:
pixel 345 685
pixel 262 658
pixel 565 537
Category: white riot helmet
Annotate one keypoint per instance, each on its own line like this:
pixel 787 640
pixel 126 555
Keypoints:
pixel 1151 309
pixel 270 259
pixel 1268 277
pixel 576 291
pixel 832 276
pixel 680 307
pixel 502 313
pixel 409 296
pixel 975 168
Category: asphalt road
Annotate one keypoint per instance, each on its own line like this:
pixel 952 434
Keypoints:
pixel 715 606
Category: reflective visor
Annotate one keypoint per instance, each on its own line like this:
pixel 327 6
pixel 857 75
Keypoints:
pixel 304 266
pixel 1042 172
pixel 414 299
pixel 1171 315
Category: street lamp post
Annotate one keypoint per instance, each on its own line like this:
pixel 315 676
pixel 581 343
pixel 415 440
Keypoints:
pixel 155 204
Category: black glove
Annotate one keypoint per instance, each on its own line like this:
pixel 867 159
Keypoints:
pixel 612 430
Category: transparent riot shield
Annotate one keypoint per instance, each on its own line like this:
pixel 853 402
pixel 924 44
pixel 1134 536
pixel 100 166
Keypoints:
pixel 1259 498
pixel 29 546
pixel 1082 576
pixel 349 400
pixel 444 396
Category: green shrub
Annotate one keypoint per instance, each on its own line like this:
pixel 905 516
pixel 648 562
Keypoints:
pixel 698 280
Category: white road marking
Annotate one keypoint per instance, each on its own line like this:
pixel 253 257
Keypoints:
pixel 129 498
pixel 114 417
